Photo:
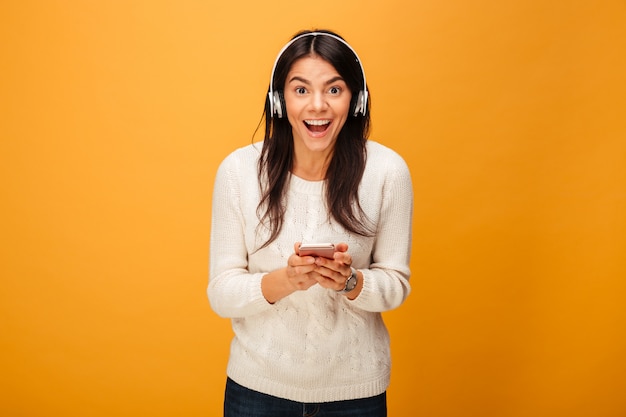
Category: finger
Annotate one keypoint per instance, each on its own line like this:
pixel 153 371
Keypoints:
pixel 339 275
pixel 329 268
pixel 336 282
pixel 295 260
pixel 341 247
pixel 342 255
pixel 346 259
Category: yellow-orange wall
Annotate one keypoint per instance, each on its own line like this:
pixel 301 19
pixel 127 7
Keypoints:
pixel 510 114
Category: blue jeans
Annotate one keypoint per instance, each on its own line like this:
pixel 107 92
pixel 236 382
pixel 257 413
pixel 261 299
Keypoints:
pixel 243 402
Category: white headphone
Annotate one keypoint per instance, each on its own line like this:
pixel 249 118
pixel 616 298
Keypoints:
pixel 276 100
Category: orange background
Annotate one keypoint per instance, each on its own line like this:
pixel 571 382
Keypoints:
pixel 511 115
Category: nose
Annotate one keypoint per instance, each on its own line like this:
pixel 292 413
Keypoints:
pixel 318 101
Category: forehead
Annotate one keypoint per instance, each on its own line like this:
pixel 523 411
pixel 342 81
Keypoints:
pixel 312 68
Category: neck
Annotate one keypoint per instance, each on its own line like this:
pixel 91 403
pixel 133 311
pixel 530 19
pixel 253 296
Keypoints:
pixel 311 169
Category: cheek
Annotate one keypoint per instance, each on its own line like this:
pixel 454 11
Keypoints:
pixel 344 105
pixel 343 113
pixel 292 107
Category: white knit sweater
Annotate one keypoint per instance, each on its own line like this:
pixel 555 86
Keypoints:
pixel 313 345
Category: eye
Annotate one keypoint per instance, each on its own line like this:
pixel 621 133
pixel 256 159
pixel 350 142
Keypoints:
pixel 300 90
pixel 335 90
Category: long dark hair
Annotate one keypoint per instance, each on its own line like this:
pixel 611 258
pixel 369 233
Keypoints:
pixel 348 160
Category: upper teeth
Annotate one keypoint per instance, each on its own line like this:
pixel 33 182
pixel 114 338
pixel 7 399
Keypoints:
pixel 317 122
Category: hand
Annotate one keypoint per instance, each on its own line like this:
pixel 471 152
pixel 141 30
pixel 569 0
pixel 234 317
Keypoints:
pixel 333 273
pixel 300 271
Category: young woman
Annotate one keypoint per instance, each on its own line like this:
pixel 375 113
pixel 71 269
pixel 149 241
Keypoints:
pixel 308 332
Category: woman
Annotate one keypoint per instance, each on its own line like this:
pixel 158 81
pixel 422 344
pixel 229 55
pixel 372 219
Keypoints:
pixel 309 335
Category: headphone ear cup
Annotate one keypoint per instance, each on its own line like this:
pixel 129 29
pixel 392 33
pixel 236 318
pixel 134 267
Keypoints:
pixel 358 104
pixel 279 104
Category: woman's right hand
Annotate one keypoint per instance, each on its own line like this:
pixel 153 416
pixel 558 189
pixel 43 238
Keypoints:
pixel 300 269
pixel 298 275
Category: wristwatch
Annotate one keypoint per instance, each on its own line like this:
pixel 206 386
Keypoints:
pixel 350 282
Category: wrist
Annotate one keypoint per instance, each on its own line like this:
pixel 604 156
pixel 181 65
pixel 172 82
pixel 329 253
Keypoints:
pixel 351 283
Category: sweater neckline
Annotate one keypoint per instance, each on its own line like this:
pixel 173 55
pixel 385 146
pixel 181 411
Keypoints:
pixel 301 185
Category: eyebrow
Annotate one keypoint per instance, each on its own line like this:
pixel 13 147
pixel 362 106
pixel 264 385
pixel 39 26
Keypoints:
pixel 305 81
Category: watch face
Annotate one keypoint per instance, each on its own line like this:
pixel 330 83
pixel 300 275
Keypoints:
pixel 351 283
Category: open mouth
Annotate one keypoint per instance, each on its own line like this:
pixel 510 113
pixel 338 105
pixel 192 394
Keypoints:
pixel 317 126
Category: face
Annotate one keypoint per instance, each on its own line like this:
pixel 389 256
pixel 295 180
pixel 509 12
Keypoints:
pixel 317 101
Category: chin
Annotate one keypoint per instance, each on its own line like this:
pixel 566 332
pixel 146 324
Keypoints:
pixel 319 144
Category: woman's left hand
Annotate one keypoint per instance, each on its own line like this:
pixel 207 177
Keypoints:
pixel 333 273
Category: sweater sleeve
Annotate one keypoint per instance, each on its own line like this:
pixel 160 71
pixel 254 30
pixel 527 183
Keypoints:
pixel 233 291
pixel 386 280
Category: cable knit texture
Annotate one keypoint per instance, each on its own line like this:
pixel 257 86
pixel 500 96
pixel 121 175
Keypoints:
pixel 313 345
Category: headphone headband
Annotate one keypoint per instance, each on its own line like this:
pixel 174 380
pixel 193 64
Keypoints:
pixel 275 100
